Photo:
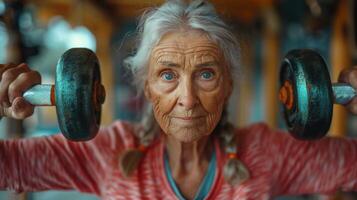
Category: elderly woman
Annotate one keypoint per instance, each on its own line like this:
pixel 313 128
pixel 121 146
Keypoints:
pixel 184 148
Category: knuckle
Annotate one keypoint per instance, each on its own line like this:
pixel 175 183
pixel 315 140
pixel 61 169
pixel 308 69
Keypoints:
pixel 24 76
pixel 8 75
pixel 5 68
pixel 13 89
pixel 36 76
pixel 29 78
pixel 23 67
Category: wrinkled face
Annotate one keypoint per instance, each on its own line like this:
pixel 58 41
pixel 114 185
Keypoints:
pixel 188 84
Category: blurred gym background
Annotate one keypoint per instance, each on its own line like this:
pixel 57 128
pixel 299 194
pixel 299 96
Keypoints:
pixel 38 32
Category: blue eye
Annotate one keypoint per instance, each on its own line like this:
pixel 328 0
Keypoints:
pixel 168 76
pixel 207 75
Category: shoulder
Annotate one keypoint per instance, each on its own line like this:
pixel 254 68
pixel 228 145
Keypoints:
pixel 256 131
pixel 261 134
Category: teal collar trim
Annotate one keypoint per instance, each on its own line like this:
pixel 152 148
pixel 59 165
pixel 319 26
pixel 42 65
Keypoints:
pixel 205 186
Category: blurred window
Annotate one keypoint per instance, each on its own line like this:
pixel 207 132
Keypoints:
pixel 2 7
pixel 4 39
pixel 61 34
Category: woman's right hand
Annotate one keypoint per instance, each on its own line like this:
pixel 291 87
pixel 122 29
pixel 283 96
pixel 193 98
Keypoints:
pixel 14 81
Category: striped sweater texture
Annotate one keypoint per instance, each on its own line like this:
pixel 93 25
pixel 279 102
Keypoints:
pixel 278 165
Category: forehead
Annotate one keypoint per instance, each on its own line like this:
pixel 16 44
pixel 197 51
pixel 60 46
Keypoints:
pixel 186 43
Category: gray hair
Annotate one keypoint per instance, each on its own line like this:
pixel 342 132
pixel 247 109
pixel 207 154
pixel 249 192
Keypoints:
pixel 175 15
pixel 172 16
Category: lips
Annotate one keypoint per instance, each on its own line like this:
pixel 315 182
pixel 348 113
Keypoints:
pixel 188 118
pixel 188 122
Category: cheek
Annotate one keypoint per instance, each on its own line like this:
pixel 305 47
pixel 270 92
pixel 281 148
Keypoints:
pixel 163 103
pixel 213 101
pixel 213 106
pixel 163 97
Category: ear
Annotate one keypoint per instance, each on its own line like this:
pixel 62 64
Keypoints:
pixel 147 91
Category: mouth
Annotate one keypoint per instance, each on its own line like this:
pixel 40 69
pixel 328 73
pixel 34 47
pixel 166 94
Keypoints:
pixel 188 118
pixel 187 122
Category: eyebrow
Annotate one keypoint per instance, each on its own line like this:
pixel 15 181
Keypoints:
pixel 169 64
pixel 208 64
pixel 205 64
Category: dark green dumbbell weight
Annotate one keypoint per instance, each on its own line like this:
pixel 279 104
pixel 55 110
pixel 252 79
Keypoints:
pixel 77 94
pixel 308 95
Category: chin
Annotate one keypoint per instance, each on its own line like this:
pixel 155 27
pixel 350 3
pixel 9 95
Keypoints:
pixel 188 135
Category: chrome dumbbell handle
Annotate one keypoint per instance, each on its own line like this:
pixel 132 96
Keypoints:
pixel 342 93
pixel 40 95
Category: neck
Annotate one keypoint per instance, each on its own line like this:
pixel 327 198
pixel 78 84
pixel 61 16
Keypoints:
pixel 185 158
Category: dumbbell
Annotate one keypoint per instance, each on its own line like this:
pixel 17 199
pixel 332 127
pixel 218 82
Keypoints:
pixel 77 94
pixel 308 95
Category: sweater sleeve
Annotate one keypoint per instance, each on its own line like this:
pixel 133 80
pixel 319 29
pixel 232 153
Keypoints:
pixel 310 167
pixel 54 162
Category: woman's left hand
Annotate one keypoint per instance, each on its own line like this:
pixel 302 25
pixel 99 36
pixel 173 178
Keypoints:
pixel 349 76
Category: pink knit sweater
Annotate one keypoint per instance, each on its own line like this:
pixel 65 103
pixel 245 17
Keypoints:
pixel 278 164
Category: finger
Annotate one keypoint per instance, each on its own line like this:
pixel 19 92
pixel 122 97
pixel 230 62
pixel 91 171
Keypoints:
pixel 349 76
pixel 343 76
pixel 22 83
pixel 6 67
pixel 352 106
pixel 7 78
pixel 21 108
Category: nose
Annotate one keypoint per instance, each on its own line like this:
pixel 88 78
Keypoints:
pixel 188 98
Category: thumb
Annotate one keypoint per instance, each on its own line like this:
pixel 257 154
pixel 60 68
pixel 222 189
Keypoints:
pixel 20 108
